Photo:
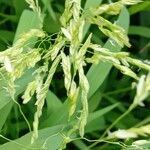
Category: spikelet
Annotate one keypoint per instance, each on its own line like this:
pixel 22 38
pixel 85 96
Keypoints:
pixel 131 133
pixel 114 31
pixel 13 55
pixel 65 17
pixel 30 90
pixel 24 61
pixel 112 8
pixel 70 85
pixel 79 57
pixel 84 85
pixel 76 9
pixel 66 65
pixel 123 134
pixel 54 50
pixel 7 63
pixel 41 95
pixel 27 36
pixel 139 144
pixel 67 34
pixel 81 28
pixel 130 2
pixel 127 71
pixel 141 131
pixel 138 63
pixel 142 91
pixel 72 96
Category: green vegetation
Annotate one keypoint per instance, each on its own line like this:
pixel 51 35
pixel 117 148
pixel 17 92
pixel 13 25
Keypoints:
pixel 74 74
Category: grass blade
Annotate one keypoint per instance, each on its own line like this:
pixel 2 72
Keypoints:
pixel 140 30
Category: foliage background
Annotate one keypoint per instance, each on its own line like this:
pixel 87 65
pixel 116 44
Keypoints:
pixel 110 99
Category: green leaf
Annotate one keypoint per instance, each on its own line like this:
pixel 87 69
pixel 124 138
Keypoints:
pixel 53 102
pixel 28 20
pixel 5 111
pixel 90 3
pixel 6 35
pixel 59 116
pixel 95 99
pixel 140 30
pixel 19 6
pixel 49 135
pixel 6 2
pixel 96 125
pixel 81 145
pixel 101 112
pixel 96 120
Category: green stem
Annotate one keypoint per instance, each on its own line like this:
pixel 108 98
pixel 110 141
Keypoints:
pixel 23 115
pixel 113 124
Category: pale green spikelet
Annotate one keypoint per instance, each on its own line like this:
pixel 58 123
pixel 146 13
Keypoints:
pixel 30 90
pixel 84 85
pixel 41 93
pixel 131 133
pixel 81 28
pixel 75 43
pixel 130 2
pixel 54 50
pixel 111 30
pixel 18 46
pixel 141 131
pixel 127 71
pixel 24 61
pixel 66 65
pixel 142 144
pixel 142 91
pixel 72 97
pixel 70 85
pixel 27 36
pixel 138 63
pixel 79 57
pixel 67 13
pixel 76 9
pixel 111 9
pixel 123 134
pixel 66 32
pixel 7 63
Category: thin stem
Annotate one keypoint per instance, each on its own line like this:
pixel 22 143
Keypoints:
pixel 113 124
pixel 25 118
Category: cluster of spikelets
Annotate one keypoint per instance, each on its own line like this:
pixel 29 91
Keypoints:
pixel 20 57
pixel 132 133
